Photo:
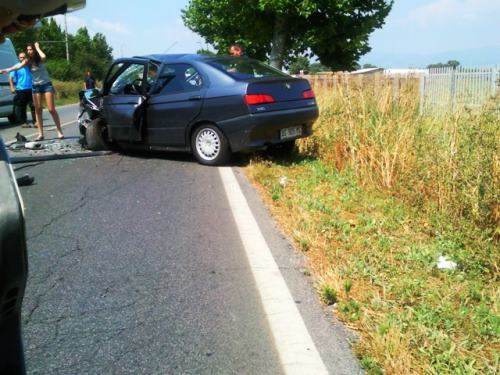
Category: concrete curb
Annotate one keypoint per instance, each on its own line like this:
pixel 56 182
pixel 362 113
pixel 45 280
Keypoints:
pixel 28 159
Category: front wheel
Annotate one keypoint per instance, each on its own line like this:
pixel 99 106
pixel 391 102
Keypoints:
pixel 95 136
pixel 210 146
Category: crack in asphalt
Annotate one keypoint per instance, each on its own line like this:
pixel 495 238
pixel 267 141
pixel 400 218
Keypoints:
pixel 82 203
pixel 55 267
pixel 56 276
pixel 85 198
pixel 38 300
pixel 82 314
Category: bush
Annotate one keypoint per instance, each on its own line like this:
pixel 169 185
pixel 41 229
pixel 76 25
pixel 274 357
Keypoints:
pixel 67 91
pixel 63 71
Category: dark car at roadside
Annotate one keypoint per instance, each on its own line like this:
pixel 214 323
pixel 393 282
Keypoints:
pixel 210 106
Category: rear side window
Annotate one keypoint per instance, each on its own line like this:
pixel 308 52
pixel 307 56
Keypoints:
pixel 180 78
pixel 246 69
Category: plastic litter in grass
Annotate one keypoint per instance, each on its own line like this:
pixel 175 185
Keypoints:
pixel 283 181
pixel 445 264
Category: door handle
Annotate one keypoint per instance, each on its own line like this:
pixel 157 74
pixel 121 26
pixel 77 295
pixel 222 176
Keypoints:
pixel 196 97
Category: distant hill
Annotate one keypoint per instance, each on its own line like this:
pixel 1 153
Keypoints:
pixel 468 57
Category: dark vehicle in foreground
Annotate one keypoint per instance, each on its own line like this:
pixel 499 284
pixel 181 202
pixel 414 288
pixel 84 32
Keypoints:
pixel 211 106
pixel 13 269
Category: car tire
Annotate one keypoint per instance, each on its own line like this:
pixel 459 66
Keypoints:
pixel 210 146
pixel 94 136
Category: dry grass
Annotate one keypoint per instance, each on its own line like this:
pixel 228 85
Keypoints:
pixel 67 92
pixel 452 160
pixel 373 198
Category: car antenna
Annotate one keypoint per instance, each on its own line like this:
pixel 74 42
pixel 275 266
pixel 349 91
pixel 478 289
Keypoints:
pixel 169 48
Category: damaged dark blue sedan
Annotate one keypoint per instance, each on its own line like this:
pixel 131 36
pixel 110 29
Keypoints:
pixel 211 106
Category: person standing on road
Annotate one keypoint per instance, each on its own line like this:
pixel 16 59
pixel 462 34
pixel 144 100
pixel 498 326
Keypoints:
pixel 42 87
pixel 21 85
pixel 89 81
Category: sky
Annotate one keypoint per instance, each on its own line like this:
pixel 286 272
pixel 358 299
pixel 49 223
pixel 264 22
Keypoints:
pixel 416 32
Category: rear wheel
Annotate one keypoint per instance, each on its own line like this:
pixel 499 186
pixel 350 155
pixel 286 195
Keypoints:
pixel 210 146
pixel 94 136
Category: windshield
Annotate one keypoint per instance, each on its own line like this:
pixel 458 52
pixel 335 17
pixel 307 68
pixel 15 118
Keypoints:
pixel 245 69
pixel 122 84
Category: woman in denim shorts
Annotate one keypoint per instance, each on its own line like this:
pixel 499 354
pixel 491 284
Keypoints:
pixel 42 87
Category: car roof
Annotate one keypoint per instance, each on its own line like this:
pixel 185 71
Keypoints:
pixel 169 58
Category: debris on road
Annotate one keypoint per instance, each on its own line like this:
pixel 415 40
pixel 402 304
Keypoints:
pixel 25 180
pixel 23 151
pixel 21 138
pixel 33 146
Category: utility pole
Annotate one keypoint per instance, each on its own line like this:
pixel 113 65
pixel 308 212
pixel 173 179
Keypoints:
pixel 66 36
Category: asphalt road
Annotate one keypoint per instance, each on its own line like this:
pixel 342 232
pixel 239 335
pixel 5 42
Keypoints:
pixel 136 266
pixel 67 115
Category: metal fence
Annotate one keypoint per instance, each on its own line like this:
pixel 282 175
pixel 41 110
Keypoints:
pixel 446 89
pixel 377 84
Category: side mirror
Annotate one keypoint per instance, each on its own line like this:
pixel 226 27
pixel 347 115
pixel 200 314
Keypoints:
pixel 13 269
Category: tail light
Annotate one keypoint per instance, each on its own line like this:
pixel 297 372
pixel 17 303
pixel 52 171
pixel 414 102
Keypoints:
pixel 252 99
pixel 308 94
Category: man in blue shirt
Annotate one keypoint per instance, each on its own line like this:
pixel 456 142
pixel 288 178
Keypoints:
pixel 21 84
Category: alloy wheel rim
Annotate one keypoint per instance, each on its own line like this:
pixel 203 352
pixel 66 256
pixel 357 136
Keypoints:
pixel 208 144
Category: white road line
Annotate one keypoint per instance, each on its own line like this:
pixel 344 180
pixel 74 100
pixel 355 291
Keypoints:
pixel 44 129
pixel 295 346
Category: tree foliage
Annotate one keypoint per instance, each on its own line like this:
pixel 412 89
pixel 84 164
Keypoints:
pixel 317 67
pixel 336 31
pixel 205 52
pixel 301 63
pixel 451 63
pixel 86 52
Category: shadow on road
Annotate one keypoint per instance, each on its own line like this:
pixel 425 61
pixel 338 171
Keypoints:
pixel 237 159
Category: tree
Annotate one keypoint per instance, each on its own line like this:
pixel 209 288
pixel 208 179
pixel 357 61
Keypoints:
pixel 451 63
pixel 336 31
pixel 86 53
pixel 368 66
pixel 317 67
pixel 205 52
pixel 300 63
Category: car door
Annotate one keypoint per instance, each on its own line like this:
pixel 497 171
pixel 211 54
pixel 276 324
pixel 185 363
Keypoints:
pixel 124 99
pixel 177 103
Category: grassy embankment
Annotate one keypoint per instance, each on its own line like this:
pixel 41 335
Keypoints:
pixel 373 198
pixel 67 92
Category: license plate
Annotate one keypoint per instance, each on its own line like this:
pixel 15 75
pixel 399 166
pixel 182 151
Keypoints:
pixel 291 132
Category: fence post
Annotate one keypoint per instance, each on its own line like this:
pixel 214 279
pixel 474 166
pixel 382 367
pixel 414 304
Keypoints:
pixel 494 83
pixel 453 89
pixel 422 94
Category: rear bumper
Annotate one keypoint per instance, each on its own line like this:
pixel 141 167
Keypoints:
pixel 254 131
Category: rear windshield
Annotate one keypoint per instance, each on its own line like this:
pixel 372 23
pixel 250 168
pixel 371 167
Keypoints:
pixel 242 68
